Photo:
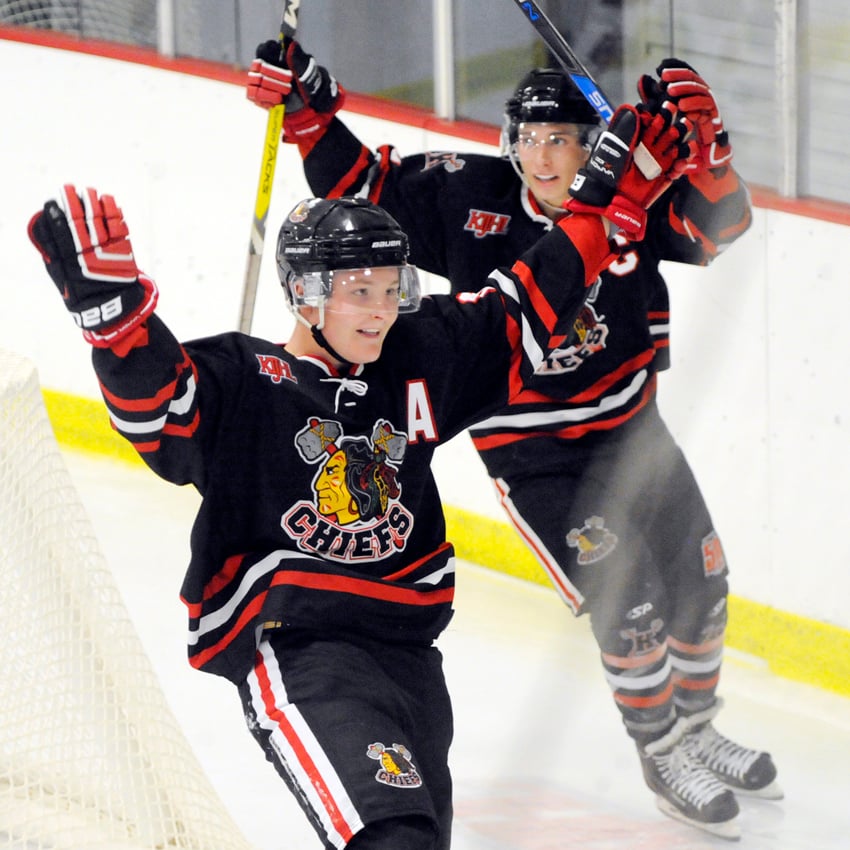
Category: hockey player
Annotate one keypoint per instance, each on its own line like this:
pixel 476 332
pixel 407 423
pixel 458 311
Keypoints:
pixel 625 535
pixel 320 575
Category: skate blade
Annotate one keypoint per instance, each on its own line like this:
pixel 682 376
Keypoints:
pixel 769 792
pixel 728 829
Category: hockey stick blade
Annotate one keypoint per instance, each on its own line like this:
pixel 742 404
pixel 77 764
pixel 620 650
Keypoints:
pixel 274 125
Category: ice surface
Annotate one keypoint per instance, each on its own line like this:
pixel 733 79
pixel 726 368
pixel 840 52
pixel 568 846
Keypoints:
pixel 540 758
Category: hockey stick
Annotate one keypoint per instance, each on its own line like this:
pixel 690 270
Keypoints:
pixel 274 124
pixel 581 77
pixel 567 59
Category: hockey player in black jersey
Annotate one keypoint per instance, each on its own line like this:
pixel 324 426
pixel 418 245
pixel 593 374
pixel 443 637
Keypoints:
pixel 320 575
pixel 584 466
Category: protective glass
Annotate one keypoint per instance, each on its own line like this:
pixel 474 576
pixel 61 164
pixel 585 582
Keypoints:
pixel 392 289
pixel 533 136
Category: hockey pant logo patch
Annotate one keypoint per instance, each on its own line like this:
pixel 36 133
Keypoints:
pixel 396 768
pixel 592 540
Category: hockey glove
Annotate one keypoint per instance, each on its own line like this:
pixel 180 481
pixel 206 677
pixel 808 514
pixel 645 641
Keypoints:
pixel 631 164
pixel 86 249
pixel 268 84
pixel 679 82
pixel 284 73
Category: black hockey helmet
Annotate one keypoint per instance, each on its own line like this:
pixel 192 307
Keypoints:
pixel 320 236
pixel 547 96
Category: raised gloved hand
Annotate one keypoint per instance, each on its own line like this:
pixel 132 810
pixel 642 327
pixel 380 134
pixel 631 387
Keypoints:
pixel 85 245
pixel 631 164
pixel 679 83
pixel 269 84
pixel 284 73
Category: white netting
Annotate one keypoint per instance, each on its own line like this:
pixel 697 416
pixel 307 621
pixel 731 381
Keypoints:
pixel 90 754
pixel 130 21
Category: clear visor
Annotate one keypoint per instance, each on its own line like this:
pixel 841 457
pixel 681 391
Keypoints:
pixel 532 136
pixel 391 289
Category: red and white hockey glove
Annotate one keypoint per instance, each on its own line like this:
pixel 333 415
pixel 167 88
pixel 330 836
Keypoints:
pixel 269 84
pixel 679 83
pixel 633 161
pixel 85 245
pixel 284 73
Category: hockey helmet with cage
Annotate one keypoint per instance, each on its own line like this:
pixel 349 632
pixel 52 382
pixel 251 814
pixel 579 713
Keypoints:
pixel 547 96
pixel 321 236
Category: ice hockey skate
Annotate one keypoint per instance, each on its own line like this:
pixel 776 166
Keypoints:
pixel 686 789
pixel 748 772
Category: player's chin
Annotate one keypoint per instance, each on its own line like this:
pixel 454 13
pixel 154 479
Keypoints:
pixel 550 193
pixel 367 350
pixel 554 195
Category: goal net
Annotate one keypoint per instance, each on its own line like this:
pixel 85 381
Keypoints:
pixel 91 756
pixel 131 21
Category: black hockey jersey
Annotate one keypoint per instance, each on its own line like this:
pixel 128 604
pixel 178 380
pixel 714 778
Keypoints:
pixel 468 213
pixel 319 509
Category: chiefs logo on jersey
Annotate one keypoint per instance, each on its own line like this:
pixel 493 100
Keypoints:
pixel 590 333
pixel 355 513
pixel 484 223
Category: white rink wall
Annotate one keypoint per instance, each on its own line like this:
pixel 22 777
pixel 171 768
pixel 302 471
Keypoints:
pixel 757 396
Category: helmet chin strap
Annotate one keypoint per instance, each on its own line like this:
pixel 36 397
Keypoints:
pixel 316 331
